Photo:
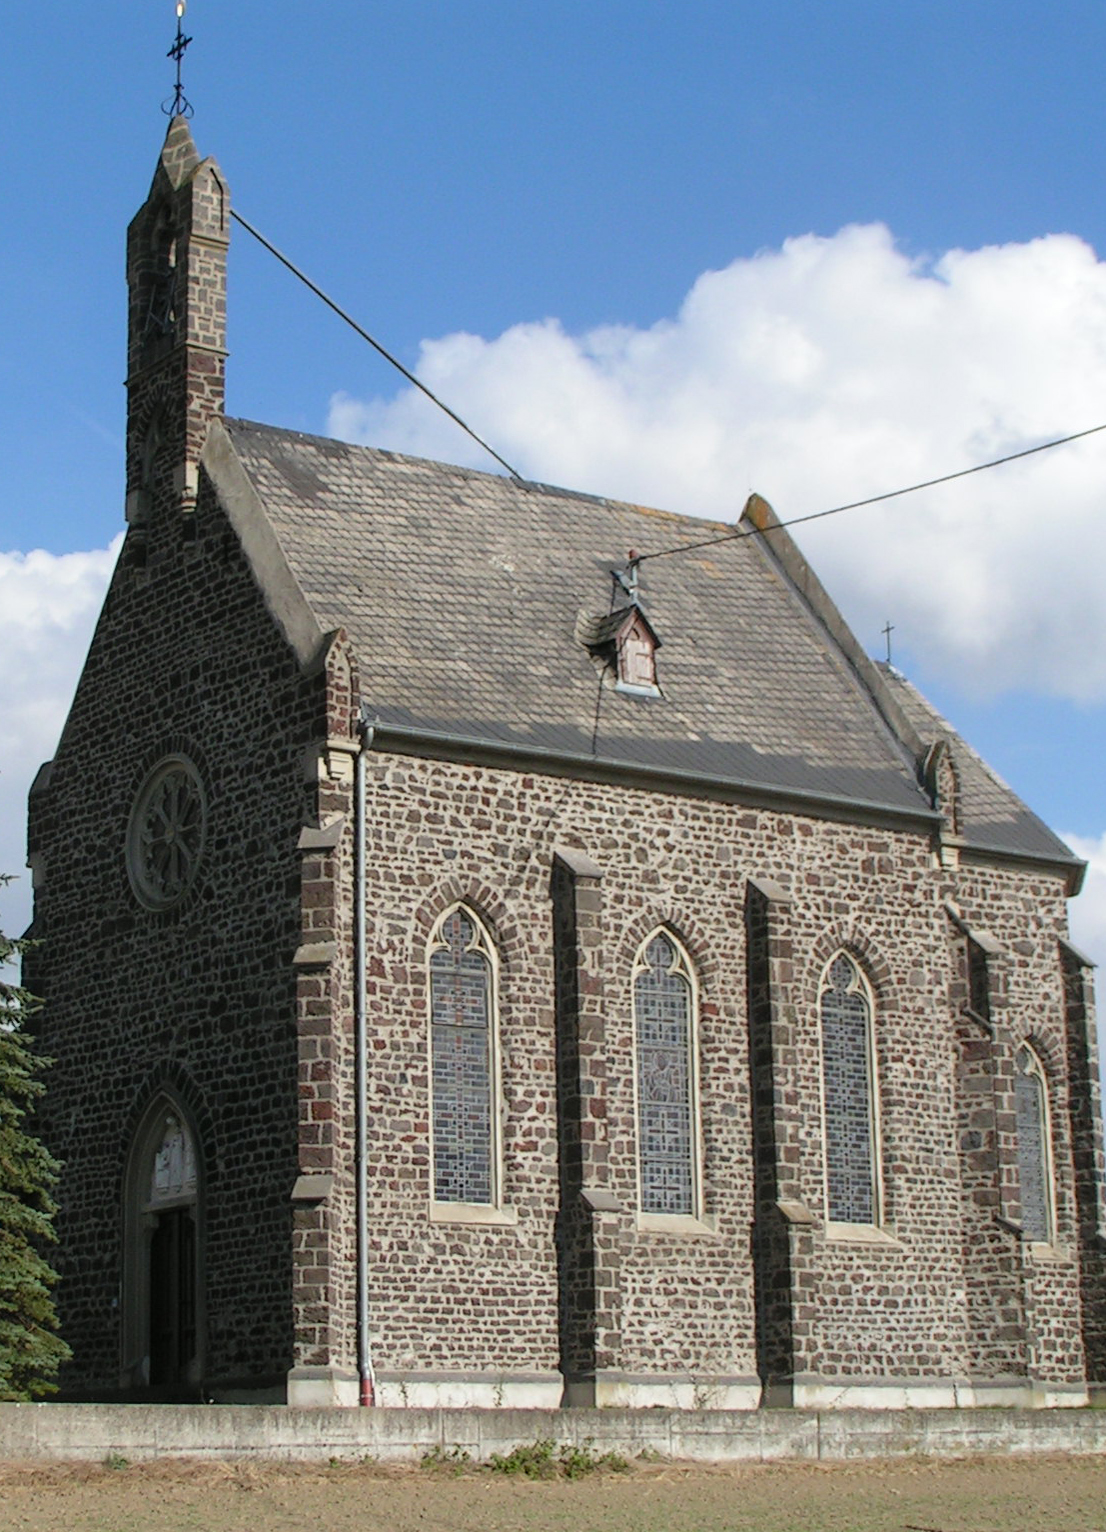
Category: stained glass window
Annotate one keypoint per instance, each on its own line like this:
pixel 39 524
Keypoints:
pixel 173 1173
pixel 462 1040
pixel 664 1040
pixel 849 1126
pixel 1031 1114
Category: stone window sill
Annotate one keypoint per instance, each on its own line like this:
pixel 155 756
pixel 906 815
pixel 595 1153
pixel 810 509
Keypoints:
pixel 473 1213
pixel 676 1223
pixel 1040 1250
pixel 861 1234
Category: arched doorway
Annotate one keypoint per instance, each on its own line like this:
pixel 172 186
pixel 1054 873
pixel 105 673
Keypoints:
pixel 163 1292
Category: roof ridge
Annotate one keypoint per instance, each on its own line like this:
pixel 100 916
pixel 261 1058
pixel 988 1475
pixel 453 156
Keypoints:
pixel 682 518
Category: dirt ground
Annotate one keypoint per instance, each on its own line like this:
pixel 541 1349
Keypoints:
pixel 976 1495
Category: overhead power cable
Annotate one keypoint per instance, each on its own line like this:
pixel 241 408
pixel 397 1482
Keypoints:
pixel 661 553
pixel 853 505
pixel 375 344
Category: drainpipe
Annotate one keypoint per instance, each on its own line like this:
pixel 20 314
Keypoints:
pixel 361 1049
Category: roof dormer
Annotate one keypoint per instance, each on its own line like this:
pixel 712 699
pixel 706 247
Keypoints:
pixel 626 642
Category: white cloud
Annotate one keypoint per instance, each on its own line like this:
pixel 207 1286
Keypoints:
pixel 823 372
pixel 48 607
pixel 1088 912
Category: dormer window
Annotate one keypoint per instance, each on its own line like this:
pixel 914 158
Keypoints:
pixel 637 646
pixel 626 643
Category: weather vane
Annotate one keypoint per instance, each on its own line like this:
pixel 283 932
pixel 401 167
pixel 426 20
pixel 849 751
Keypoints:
pixel 180 106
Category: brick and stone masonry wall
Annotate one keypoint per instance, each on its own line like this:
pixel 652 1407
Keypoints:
pixel 484 1298
pixel 201 998
pixel 196 1002
pixel 1036 1294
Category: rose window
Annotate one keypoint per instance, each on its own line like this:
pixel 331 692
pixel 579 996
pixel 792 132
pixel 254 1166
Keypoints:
pixel 166 837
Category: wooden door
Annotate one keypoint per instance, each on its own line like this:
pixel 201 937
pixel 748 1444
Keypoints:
pixel 172 1299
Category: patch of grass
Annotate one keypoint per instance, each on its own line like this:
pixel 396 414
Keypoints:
pixel 576 1462
pixel 115 1461
pixel 533 1460
pixel 543 1459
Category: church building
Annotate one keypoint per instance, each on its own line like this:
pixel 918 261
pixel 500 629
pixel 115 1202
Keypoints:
pixel 487 963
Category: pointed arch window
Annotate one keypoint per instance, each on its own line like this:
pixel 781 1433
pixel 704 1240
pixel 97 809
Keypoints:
pixel 665 1075
pixel 464 1085
pixel 1034 1147
pixel 162 1331
pixel 850 1118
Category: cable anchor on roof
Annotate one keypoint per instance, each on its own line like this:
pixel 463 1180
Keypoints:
pixel 178 105
pixel 627 578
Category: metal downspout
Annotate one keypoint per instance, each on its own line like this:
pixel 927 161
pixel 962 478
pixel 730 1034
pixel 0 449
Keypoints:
pixel 361 1046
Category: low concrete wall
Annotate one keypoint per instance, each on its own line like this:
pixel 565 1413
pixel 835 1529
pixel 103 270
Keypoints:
pixel 93 1432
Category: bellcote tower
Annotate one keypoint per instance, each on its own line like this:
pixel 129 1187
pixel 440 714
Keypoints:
pixel 176 334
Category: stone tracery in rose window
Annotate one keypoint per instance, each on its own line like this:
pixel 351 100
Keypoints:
pixel 167 832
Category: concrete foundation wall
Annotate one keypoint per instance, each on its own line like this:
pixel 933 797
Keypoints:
pixel 91 1433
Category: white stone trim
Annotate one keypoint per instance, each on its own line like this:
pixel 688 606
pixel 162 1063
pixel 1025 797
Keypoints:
pixel 862 1234
pixel 315 1388
pixel 889 1394
pixel 473 1213
pixel 1039 1250
pixel 684 1391
pixel 676 1223
pixel 469 1391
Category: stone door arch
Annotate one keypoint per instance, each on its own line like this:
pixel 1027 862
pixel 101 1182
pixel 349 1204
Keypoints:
pixel 163 1286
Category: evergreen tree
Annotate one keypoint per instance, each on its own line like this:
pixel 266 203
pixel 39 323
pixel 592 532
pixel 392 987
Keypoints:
pixel 30 1348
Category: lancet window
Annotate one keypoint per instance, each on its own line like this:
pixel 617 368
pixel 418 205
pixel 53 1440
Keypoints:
pixel 1034 1146
pixel 464 1088
pixel 665 1048
pixel 850 1118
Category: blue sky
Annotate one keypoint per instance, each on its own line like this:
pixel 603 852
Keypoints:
pixel 525 201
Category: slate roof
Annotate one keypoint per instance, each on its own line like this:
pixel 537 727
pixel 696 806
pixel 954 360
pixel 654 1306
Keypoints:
pixel 463 593
pixel 595 631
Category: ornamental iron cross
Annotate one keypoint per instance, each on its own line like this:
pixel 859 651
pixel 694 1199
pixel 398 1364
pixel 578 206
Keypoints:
pixel 179 106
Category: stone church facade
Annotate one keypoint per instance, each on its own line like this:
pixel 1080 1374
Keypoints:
pixel 484 967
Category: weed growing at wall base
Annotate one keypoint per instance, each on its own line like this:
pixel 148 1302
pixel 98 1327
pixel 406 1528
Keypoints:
pixel 543 1459
pixel 453 1459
